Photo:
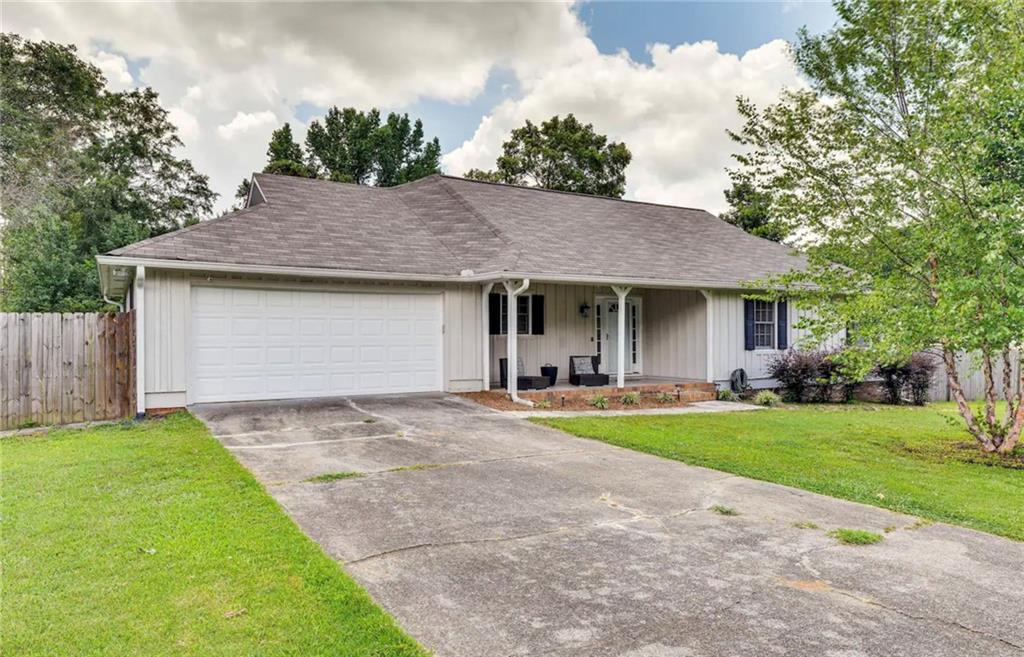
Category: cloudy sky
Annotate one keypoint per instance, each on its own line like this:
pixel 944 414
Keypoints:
pixel 662 77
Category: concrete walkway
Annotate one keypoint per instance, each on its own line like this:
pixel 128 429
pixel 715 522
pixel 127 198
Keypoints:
pixel 486 535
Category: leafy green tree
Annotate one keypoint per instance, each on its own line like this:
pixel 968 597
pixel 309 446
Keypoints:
pixel 900 171
pixel 100 164
pixel 751 211
pixel 44 268
pixel 283 146
pixel 561 154
pixel 242 192
pixel 402 155
pixel 354 146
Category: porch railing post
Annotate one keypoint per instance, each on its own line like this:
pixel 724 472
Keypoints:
pixel 512 344
pixel 621 292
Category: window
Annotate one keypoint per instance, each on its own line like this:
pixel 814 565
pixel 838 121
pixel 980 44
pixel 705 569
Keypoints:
pixel 764 325
pixel 523 322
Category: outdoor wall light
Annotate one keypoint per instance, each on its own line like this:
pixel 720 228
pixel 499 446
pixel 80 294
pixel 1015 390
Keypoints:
pixel 585 310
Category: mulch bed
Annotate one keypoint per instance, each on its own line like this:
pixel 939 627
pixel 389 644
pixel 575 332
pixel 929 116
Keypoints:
pixel 501 402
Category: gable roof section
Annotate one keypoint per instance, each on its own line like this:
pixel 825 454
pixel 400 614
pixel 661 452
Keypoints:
pixel 442 226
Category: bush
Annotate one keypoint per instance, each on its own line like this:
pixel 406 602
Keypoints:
pixel 796 371
pixel 767 398
pixel 801 373
pixel 665 398
pixel 725 394
pixel 631 399
pixel 912 378
pixel 600 402
pixel 543 403
pixel 922 369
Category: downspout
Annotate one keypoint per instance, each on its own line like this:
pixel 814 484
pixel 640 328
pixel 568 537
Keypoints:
pixel 140 343
pixel 120 306
pixel 512 335
pixel 485 352
pixel 709 346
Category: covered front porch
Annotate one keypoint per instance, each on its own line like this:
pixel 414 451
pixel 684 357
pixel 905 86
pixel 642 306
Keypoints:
pixel 648 339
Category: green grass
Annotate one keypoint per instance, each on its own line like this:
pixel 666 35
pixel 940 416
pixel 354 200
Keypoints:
pixel 913 460
pixel 725 510
pixel 855 536
pixel 332 476
pixel 150 539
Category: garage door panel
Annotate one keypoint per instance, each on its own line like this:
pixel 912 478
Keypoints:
pixel 268 344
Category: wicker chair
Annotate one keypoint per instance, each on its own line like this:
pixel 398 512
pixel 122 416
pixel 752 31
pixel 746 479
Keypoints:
pixel 523 381
pixel 583 371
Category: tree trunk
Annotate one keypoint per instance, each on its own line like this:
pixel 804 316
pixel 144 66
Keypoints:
pixel 1014 433
pixel 1012 399
pixel 990 392
pixel 949 358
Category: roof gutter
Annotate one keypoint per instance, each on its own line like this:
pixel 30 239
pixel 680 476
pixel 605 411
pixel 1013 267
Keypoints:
pixel 465 277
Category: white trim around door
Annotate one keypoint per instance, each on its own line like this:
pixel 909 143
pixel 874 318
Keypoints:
pixel 606 334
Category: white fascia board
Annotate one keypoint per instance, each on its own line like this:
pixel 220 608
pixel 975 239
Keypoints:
pixel 493 277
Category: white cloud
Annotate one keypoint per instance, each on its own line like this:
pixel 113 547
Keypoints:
pixel 235 72
pixel 672 114
pixel 245 122
pixel 115 70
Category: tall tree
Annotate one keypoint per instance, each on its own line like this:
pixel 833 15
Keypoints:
pixel 83 166
pixel 561 154
pixel 902 163
pixel 751 211
pixel 283 146
pixel 354 146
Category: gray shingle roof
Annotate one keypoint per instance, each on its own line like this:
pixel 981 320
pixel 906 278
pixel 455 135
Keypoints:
pixel 442 225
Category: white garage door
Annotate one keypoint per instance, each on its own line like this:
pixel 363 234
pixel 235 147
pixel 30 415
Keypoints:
pixel 277 344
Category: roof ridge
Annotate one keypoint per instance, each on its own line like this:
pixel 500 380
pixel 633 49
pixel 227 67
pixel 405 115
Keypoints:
pixel 568 193
pixel 187 229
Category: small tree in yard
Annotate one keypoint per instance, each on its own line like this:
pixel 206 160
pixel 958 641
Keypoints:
pixel 900 173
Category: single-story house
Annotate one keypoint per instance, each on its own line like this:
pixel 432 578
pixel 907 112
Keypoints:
pixel 318 288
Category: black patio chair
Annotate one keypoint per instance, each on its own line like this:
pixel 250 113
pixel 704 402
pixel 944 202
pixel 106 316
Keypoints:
pixel 583 371
pixel 523 381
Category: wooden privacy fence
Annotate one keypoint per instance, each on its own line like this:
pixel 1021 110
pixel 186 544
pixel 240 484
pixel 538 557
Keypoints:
pixel 972 379
pixel 58 368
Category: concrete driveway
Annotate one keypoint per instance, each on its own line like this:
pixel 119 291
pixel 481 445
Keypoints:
pixel 487 535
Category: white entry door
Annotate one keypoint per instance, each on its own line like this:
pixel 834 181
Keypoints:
pixel 608 335
pixel 250 344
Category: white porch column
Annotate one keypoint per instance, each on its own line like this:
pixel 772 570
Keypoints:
pixel 621 292
pixel 709 346
pixel 512 336
pixel 485 362
pixel 139 301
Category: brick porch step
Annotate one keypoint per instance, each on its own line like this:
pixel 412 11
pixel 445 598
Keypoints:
pixel 688 391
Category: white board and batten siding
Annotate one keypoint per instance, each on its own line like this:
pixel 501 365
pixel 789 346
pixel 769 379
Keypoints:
pixel 728 351
pixel 174 301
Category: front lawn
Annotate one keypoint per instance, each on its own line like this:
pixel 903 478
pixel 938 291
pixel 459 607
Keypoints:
pixel 913 460
pixel 149 539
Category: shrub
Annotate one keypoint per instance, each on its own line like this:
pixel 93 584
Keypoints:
pixel 725 394
pixel 766 398
pixel 665 398
pixel 631 398
pixel 600 402
pixel 796 371
pixel 544 403
pixel 894 378
pixel 922 368
pixel 913 378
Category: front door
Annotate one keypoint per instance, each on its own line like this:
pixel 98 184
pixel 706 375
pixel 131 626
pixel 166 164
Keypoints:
pixel 608 335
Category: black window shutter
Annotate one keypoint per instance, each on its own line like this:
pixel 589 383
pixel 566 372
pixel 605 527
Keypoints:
pixel 781 309
pixel 748 324
pixel 494 313
pixel 537 315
